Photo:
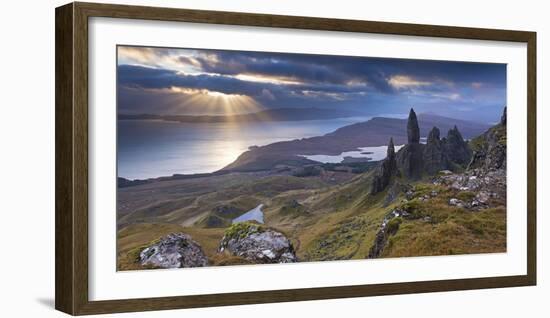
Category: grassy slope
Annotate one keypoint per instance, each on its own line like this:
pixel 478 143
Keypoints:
pixel 450 230
pixel 340 222
pixel 190 201
pixel 132 239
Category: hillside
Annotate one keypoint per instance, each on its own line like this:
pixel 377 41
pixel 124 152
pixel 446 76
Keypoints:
pixel 375 132
pixel 382 212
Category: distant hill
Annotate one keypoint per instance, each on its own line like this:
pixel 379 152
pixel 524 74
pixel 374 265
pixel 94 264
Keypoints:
pixel 276 114
pixel 375 132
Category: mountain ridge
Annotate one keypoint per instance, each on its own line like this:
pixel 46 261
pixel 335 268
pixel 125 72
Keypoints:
pixel 374 132
pixel 275 114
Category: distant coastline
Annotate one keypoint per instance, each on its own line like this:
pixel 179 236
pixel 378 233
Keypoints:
pixel 348 140
pixel 277 114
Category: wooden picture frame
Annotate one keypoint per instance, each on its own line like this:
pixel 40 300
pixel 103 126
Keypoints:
pixel 72 280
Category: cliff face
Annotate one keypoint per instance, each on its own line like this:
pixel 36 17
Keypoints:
pixel 489 149
pixel 410 160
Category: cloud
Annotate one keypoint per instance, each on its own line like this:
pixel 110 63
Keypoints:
pixel 305 80
pixel 404 81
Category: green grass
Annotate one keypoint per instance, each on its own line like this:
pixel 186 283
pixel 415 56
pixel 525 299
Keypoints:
pixel 330 222
pixel 134 238
pixel 451 231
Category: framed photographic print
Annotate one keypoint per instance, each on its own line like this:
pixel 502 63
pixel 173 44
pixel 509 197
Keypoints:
pixel 219 158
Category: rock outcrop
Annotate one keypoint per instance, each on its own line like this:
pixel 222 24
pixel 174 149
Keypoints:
pixel 173 251
pixel 456 148
pixel 387 170
pixel 390 226
pixel 413 132
pixel 409 158
pixel 435 158
pixel 416 159
pixel 487 186
pixel 489 149
pixel 257 244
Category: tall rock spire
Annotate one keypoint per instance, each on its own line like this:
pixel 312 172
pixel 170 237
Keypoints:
pixel 457 148
pixel 409 158
pixel 387 170
pixel 435 158
pixel 391 150
pixel 433 136
pixel 413 132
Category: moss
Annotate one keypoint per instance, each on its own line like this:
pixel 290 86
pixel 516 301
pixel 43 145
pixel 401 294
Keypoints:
pixel 222 259
pixel 415 208
pixel 243 229
pixel 293 209
pixel 393 225
pixel 465 196
pixel 476 226
pixel 477 144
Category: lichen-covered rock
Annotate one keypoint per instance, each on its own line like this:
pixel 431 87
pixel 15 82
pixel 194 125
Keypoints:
pixel 489 187
pixel 257 243
pixel 173 251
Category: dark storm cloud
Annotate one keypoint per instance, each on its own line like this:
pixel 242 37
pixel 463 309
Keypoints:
pixel 151 78
pixel 301 80
pixel 342 69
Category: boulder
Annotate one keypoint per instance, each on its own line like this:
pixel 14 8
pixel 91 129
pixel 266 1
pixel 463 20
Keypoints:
pixel 174 251
pixel 456 202
pixel 257 243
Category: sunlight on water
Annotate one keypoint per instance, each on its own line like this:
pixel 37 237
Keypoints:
pixel 150 149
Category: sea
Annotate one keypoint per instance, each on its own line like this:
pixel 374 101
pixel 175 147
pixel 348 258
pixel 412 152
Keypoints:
pixel 156 148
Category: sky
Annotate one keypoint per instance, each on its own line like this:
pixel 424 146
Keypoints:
pixel 221 82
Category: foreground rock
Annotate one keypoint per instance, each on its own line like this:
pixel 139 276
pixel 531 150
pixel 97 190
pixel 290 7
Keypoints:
pixel 174 251
pixel 390 226
pixel 257 243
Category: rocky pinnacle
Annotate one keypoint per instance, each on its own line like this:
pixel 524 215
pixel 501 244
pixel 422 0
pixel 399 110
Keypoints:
pixel 386 170
pixel 391 150
pixel 413 132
